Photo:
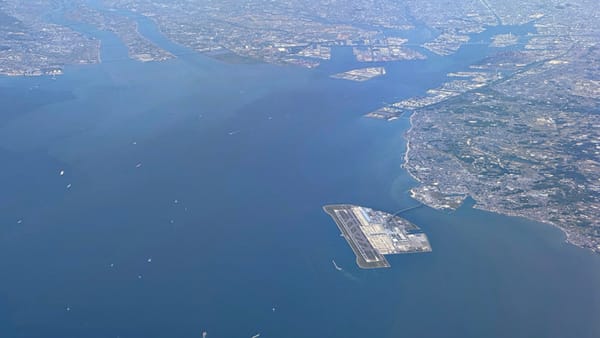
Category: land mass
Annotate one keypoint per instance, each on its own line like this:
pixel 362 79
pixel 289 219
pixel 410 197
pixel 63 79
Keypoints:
pixel 520 131
pixel 30 46
pixel 360 75
pixel 296 32
pixel 372 234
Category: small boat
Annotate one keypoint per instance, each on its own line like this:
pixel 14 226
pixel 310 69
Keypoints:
pixel 336 266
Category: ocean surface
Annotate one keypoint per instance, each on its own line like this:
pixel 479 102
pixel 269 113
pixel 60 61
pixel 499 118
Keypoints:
pixel 191 201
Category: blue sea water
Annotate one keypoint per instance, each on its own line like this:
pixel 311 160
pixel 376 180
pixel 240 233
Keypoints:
pixel 235 162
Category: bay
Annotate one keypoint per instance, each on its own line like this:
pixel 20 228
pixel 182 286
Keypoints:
pixel 195 204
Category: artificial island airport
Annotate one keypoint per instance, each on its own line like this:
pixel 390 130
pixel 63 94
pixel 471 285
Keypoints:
pixel 372 234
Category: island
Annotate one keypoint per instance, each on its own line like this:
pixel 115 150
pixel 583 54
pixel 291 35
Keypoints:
pixel 361 74
pixel 43 37
pixel 372 234
pixel 295 32
pixel 504 40
pixel 139 48
pixel 446 43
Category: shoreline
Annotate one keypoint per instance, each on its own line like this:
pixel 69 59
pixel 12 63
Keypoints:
pixel 567 234
pixel 407 151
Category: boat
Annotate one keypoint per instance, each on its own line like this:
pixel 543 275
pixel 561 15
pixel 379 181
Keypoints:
pixel 336 266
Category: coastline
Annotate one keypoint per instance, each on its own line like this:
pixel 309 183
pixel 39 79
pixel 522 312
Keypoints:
pixel 567 234
pixel 407 151
pixel 569 237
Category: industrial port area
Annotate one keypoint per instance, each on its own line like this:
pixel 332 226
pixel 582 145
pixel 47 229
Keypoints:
pixel 361 74
pixel 372 234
